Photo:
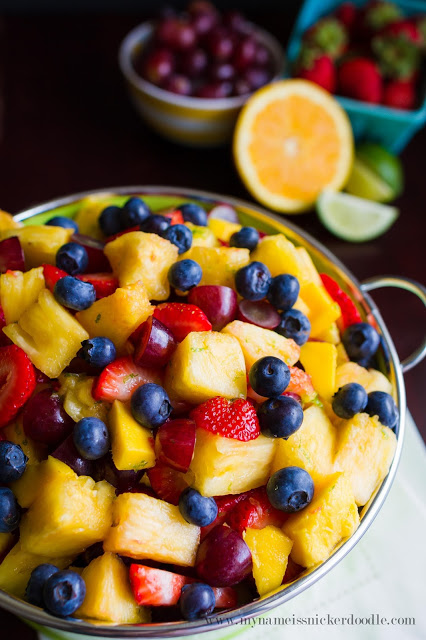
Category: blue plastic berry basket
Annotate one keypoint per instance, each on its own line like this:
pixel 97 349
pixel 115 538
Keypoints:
pixel 393 128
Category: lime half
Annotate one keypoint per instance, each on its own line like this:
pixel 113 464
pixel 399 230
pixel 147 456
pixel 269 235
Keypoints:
pixel 354 219
pixel 365 183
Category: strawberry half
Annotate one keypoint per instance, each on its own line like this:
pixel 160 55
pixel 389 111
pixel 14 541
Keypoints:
pixel 11 255
pixel 167 483
pixel 255 512
pixel 182 318
pixel 17 381
pixel 105 283
pixel 229 418
pixel 52 275
pixel 350 314
pixel 120 378
pixel 175 217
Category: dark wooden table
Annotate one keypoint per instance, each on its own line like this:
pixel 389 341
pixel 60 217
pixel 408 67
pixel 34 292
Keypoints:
pixel 66 126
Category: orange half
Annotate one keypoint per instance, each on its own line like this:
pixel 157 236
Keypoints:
pixel 292 140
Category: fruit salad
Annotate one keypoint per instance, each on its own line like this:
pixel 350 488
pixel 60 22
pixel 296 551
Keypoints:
pixel 191 414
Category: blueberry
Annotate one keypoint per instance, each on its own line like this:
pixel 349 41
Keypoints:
pixel 98 352
pixel 269 376
pixel 185 274
pixel 349 400
pixel 280 417
pixel 294 324
pixel 196 509
pixel 72 258
pixel 110 220
pixel 193 213
pixel 245 238
pixel 74 294
pixel 62 221
pixel 283 291
pixel 12 461
pixel 91 438
pixel 361 341
pixel 155 224
pixel 180 236
pixel 197 600
pixel 290 489
pixel 134 212
pixel 382 404
pixel 9 511
pixel 252 282
pixel 150 405
pixel 38 578
pixel 63 593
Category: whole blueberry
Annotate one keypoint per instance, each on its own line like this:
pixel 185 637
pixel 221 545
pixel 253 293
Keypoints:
pixel 91 438
pixel 361 341
pixel 134 212
pixel 252 282
pixel 349 400
pixel 295 325
pixel 98 352
pixel 10 514
pixel 382 404
pixel 180 236
pixel 38 578
pixel 185 275
pixel 283 291
pixel 155 224
pixel 269 377
pixel 110 220
pixel 62 221
pixel 74 294
pixel 280 417
pixel 193 213
pixel 197 600
pixel 290 489
pixel 196 509
pixel 245 238
pixel 13 461
pixel 63 593
pixel 72 258
pixel 150 405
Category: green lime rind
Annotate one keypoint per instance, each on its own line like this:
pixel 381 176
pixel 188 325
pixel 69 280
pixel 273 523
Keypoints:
pixel 354 219
pixel 365 183
pixel 387 166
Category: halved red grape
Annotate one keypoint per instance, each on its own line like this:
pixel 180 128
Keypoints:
pixel 98 262
pixel 154 345
pixel 11 255
pixel 295 396
pixel 218 303
pixel 223 558
pixel 45 420
pixel 259 312
pixel 193 62
pixel 67 452
pixel 175 443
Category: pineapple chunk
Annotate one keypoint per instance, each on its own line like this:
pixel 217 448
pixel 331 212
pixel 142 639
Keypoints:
pixel 365 450
pixel 14 432
pixel 118 315
pixel 109 595
pixel 49 335
pixel 76 394
pixel 220 264
pixel 68 514
pixel 6 542
pixel 331 334
pixel 143 257
pixel 319 360
pixel 25 488
pixel 281 256
pixel 317 529
pixel 7 221
pixel 257 342
pixel 87 217
pixel 309 269
pixel 145 527
pixel 132 446
pixel 270 549
pixel 206 364
pixel 223 229
pixel 371 379
pixel 311 447
pixel 222 466
pixel 323 311
pixel 202 236
pixel 40 243
pixel 17 566
pixel 18 291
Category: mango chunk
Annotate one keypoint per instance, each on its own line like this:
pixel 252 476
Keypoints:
pixel 281 256
pixel 323 311
pixel 219 264
pixel 308 268
pixel 223 229
pixel 132 446
pixel 270 549
pixel 40 243
pixel 319 360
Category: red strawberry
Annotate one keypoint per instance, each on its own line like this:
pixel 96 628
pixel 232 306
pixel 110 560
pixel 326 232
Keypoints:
pixel 17 381
pixel 360 78
pixel 225 504
pixel 182 318
pixel 120 378
pixel 319 68
pixel 167 483
pixel 328 36
pixel 4 340
pixel 229 418
pixel 11 255
pixel 255 512
pixel 405 28
pixel 175 216
pixel 105 284
pixel 400 94
pixel 350 314
pixel 52 275
pixel 347 14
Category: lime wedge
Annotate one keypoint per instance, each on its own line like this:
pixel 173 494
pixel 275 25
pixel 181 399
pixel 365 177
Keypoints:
pixel 365 183
pixel 387 166
pixel 354 219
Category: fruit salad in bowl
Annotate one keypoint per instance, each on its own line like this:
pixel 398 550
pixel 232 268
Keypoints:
pixel 199 409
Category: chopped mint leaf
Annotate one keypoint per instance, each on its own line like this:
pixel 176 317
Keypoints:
pixel 98 317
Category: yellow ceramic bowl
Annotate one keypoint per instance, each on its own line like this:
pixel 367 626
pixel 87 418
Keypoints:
pixel 187 120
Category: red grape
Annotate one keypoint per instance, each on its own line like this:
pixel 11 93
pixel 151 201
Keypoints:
pixel 260 313
pixel 241 87
pixel 176 33
pixel 257 77
pixel 223 558
pixel 224 212
pixel 220 43
pixel 155 344
pixel 179 84
pixel 218 303
pixel 98 262
pixel 221 71
pixel 237 22
pixel 175 443
pixel 215 90
pixel 45 420
pixel 123 481
pixel 11 255
pixel 204 16
pixel 194 62
pixel 67 452
pixel 158 65
pixel 263 56
pixel 245 53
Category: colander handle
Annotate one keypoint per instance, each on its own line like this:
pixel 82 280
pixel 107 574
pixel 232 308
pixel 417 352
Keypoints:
pixel 379 282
